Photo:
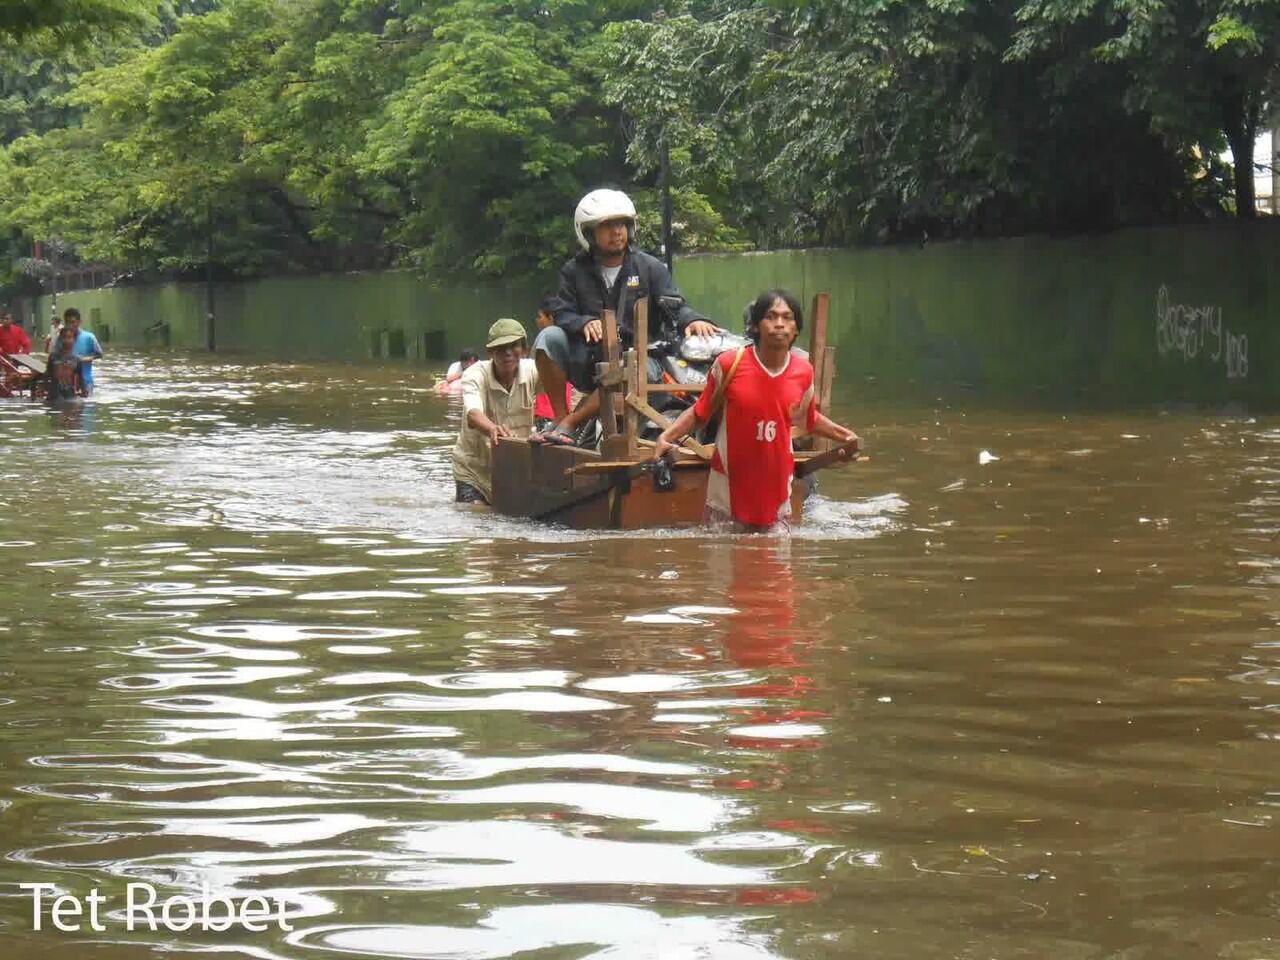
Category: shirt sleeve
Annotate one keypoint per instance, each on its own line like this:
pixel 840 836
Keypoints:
pixel 567 309
pixel 702 409
pixel 806 414
pixel 472 391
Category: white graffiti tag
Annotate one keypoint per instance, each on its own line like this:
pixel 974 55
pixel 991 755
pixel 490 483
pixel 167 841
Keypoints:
pixel 1187 330
pixel 1237 356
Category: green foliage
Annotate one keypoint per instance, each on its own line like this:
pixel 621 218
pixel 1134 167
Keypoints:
pixel 1195 72
pixel 333 134
pixel 456 135
pixel 839 121
pixel 57 24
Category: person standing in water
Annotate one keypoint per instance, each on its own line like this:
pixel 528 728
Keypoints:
pixel 66 368
pixel 86 346
pixel 765 392
pixel 497 401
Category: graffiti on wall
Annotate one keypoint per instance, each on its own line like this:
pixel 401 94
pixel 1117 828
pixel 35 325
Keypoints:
pixel 1198 331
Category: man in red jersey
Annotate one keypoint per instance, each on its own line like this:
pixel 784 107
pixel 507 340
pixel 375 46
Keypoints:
pixel 767 391
pixel 13 339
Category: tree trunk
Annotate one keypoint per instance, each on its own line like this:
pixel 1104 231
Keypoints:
pixel 1241 131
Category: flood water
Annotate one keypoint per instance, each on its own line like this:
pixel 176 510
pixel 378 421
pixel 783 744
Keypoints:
pixel 1026 707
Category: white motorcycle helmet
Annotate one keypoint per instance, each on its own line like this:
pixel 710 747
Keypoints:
pixel 599 206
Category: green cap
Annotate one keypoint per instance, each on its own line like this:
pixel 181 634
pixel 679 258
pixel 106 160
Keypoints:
pixel 503 332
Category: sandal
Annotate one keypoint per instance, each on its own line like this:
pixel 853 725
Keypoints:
pixel 555 436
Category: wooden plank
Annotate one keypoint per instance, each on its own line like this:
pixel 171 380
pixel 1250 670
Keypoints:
pixel 828 378
pixel 642 346
pixel 612 346
pixel 678 455
pixel 577 495
pixel 607 377
pixel 612 354
pixel 818 317
pixel 615 448
pixel 645 507
pixel 530 480
pixel 34 362
pixel 818 323
pixel 608 416
pixel 675 388
pixel 701 450
pixel 631 388
pixel 605 465
pixel 512 491
pixel 548 463
pixel 836 456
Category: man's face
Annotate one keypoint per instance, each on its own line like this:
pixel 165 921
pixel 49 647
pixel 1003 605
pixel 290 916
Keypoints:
pixel 506 358
pixel 67 337
pixel 73 324
pixel 611 236
pixel 5 320
pixel 778 326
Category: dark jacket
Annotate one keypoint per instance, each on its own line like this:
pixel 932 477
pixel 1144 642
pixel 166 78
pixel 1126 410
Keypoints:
pixel 582 296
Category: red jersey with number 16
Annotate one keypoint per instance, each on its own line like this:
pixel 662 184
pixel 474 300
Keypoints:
pixel 752 467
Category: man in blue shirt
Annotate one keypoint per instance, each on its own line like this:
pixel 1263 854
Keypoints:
pixel 86 347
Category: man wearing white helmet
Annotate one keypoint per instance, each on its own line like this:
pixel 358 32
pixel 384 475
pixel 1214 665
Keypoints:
pixel 609 274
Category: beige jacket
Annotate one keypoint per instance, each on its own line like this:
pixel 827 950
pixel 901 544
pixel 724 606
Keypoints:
pixel 513 409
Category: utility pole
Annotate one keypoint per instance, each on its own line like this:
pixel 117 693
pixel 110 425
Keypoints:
pixel 1275 161
pixel 211 341
pixel 665 177
pixel 53 263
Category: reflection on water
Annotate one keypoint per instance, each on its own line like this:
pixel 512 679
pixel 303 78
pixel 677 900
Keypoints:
pixel 1023 706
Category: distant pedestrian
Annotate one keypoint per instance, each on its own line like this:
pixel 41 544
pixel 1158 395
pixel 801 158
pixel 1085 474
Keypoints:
pixel 85 346
pixel 55 329
pixel 66 369
pixel 451 383
pixel 13 339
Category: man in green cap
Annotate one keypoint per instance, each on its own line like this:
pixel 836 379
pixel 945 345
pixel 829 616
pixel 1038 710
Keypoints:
pixel 497 401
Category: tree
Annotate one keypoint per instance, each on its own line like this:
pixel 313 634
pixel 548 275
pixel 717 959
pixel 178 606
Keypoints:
pixel 870 120
pixel 1196 70
pixel 58 24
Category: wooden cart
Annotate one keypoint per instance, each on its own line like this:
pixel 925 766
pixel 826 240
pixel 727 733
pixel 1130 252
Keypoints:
pixel 613 488
pixel 21 372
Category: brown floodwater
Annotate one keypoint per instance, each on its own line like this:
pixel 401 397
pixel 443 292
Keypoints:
pixel 1012 691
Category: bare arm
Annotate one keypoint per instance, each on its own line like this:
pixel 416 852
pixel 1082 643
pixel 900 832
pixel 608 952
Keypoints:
pixel 825 427
pixel 683 425
pixel 478 421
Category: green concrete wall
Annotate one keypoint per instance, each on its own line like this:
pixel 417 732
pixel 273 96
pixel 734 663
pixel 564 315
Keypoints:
pixel 387 315
pixel 1022 316
pixel 1037 314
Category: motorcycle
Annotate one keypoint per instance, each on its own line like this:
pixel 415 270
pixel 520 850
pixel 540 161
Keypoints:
pixel 686 362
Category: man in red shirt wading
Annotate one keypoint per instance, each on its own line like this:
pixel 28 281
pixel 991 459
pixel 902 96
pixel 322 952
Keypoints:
pixel 13 339
pixel 768 390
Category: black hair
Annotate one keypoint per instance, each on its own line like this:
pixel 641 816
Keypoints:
pixel 548 303
pixel 466 355
pixel 757 310
pixel 71 312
